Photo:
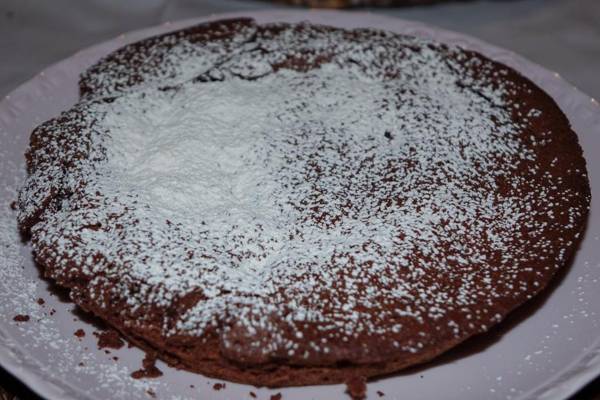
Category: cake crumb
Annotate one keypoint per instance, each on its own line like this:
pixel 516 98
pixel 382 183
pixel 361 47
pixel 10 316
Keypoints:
pixel 218 386
pixel 277 396
pixel 253 395
pixel 21 318
pixel 149 369
pixel 380 393
pixel 356 387
pixel 79 333
pixel 41 301
pixel 109 339
pixel 13 205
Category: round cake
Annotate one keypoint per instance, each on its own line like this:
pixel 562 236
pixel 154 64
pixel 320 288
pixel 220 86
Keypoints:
pixel 292 204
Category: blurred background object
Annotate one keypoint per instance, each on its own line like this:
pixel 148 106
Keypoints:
pixel 358 3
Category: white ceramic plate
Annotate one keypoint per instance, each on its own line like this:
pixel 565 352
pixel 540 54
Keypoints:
pixel 548 349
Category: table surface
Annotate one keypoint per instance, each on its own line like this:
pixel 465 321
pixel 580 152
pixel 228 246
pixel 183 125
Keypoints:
pixel 561 35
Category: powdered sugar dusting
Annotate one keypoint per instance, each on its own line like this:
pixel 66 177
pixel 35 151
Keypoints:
pixel 299 212
pixel 42 331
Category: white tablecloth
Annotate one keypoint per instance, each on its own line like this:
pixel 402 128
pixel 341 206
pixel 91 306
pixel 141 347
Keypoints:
pixel 562 35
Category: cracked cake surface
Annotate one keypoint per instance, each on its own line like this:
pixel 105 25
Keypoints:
pixel 290 204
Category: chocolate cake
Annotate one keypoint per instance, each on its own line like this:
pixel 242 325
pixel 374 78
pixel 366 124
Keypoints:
pixel 292 204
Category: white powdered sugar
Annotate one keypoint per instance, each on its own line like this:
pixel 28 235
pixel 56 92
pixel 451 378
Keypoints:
pixel 44 344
